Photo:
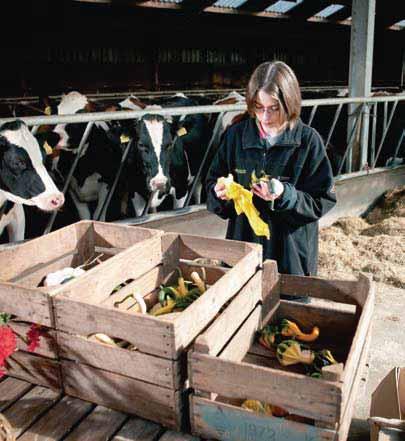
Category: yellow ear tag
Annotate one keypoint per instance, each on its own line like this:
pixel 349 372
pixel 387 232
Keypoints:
pixel 48 110
pixel 48 148
pixel 124 139
pixel 182 132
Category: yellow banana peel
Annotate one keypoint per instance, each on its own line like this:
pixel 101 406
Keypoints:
pixel 165 309
pixel 242 199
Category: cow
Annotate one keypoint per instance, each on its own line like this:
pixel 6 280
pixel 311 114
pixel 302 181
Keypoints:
pixel 167 155
pixel 99 160
pixel 23 179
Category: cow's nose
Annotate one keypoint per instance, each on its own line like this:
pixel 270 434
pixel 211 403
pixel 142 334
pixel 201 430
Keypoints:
pixel 56 201
pixel 158 183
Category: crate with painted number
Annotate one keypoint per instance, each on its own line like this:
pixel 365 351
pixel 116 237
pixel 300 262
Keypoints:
pixel 130 360
pixel 23 296
pixel 288 403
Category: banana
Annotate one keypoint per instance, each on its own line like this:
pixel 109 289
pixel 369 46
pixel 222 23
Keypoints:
pixel 181 286
pixel 198 282
pixel 103 338
pixel 165 309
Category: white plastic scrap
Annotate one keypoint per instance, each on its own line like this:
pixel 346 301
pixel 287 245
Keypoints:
pixel 63 275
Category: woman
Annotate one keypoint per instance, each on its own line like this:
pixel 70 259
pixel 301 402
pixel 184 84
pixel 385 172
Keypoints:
pixel 298 189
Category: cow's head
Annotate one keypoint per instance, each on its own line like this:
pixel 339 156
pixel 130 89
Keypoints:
pixel 23 177
pixel 154 142
pixel 71 134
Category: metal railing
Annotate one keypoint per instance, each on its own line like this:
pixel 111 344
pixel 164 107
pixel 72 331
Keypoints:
pixel 362 111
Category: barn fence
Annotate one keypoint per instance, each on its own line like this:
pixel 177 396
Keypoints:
pixel 369 123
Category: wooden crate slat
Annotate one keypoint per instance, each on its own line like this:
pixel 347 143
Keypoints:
pixel 243 339
pixel 27 304
pixel 229 251
pixel 343 291
pixel 147 333
pixel 213 419
pixel 212 274
pixel 360 336
pixel 351 400
pixel 37 251
pixel 222 329
pixel 138 429
pixel 309 397
pixel 11 389
pixel 270 289
pixel 176 436
pixel 35 369
pixel 144 285
pixel 58 421
pixel 33 275
pixel 130 264
pixel 135 364
pixel 330 320
pixel 47 341
pixel 84 233
pixel 199 314
pixel 30 407
pixel 121 393
pixel 100 425
pixel 119 236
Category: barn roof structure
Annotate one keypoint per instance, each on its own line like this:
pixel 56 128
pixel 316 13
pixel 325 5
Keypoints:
pixel 390 14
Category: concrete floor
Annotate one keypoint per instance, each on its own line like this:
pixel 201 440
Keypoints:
pixel 387 350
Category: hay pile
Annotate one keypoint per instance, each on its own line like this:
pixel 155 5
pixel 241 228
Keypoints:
pixel 374 245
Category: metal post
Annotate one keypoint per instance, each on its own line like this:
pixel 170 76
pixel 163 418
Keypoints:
pixel 351 138
pixel 337 114
pixel 401 138
pixel 385 132
pixel 313 111
pixel 197 176
pixel 360 71
pixel 71 171
pixel 373 133
pixel 117 176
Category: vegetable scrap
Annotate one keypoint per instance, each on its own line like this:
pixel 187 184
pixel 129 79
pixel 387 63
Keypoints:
pixel 177 298
pixel 243 203
pixel 63 276
pixel 283 338
pixel 8 339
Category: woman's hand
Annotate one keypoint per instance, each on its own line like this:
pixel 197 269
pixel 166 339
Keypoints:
pixel 220 191
pixel 269 191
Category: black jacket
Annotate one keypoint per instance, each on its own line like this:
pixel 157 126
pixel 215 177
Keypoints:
pixel 299 160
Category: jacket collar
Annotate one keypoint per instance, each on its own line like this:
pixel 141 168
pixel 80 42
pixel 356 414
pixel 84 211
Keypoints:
pixel 289 138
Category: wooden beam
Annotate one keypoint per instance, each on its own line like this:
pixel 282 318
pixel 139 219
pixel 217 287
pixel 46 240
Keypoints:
pixel 256 5
pixel 196 5
pixel 388 15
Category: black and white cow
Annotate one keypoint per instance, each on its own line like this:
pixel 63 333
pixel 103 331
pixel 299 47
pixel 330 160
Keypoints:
pixel 168 153
pixel 99 160
pixel 23 179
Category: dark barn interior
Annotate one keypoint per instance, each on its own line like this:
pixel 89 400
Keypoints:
pixel 50 46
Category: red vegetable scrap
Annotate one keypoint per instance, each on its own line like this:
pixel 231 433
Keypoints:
pixel 33 336
pixel 8 345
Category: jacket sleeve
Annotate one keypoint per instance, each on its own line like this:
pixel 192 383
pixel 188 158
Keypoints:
pixel 220 166
pixel 314 194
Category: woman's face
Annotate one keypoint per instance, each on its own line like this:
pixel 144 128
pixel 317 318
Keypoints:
pixel 267 111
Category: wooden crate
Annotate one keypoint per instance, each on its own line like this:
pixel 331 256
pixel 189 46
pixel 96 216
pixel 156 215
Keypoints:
pixel 223 377
pixel 25 266
pixel 150 381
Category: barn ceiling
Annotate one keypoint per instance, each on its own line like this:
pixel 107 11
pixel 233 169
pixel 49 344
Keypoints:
pixel 390 14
